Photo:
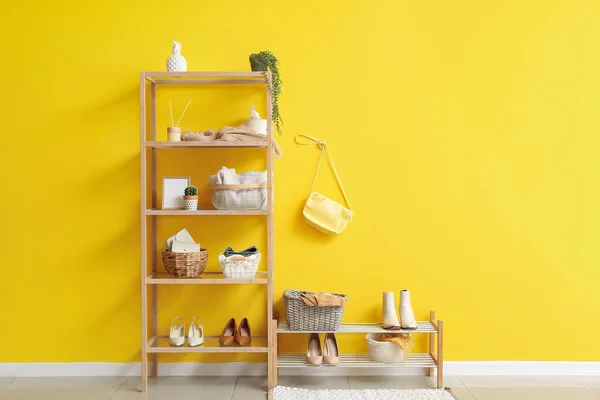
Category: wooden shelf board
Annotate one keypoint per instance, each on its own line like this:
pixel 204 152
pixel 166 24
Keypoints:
pixel 160 344
pixel 206 212
pixel 212 145
pixel 356 361
pixel 199 77
pixel 203 74
pixel 422 327
pixel 206 278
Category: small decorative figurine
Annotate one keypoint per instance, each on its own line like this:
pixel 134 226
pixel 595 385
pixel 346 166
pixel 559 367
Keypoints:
pixel 176 62
pixel 190 198
pixel 256 123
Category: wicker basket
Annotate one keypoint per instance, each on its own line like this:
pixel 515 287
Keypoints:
pixel 185 265
pixel 251 196
pixel 304 318
pixel 239 267
pixel 384 352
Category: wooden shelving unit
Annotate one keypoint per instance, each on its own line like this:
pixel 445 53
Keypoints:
pixel 434 360
pixel 154 343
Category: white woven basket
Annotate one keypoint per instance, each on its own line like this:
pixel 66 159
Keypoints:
pixel 249 196
pixel 239 267
pixel 384 352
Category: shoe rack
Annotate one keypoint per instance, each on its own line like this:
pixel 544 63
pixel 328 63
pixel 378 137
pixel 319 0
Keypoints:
pixel 153 343
pixel 433 360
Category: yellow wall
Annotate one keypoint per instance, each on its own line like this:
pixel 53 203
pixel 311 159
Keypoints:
pixel 466 134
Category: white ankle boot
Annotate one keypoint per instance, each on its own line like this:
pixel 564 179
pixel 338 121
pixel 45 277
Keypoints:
pixel 390 319
pixel 407 317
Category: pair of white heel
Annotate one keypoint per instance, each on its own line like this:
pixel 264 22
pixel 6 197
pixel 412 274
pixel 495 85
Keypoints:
pixel 390 318
pixel 195 333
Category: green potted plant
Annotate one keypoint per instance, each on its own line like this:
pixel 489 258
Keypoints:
pixel 266 61
pixel 190 198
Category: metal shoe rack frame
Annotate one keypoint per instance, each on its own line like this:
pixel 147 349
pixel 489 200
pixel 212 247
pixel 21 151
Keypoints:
pixel 433 360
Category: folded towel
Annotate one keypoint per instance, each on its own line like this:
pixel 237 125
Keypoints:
pixel 322 300
pixel 228 176
pixel 241 134
pixel 248 252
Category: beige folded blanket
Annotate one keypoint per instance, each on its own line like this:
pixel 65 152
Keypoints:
pixel 240 133
pixel 322 300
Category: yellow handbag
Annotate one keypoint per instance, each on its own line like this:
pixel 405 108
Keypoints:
pixel 320 212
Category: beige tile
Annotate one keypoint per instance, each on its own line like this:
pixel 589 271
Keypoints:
pixel 517 381
pixel 250 388
pixel 315 382
pixel 587 381
pixel 401 382
pixel 60 382
pixel 4 382
pixel 179 388
pixel 462 393
pixel 594 391
pixel 56 394
pixel 530 393
pixel 58 388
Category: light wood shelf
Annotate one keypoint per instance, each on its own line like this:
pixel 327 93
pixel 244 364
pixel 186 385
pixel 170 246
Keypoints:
pixel 160 344
pixel 155 144
pixel 199 78
pixel 206 212
pixel 206 278
pixel 152 344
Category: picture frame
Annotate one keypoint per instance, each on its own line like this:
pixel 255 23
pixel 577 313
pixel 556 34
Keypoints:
pixel 172 192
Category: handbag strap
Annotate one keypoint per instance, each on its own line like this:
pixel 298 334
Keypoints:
pixel 311 141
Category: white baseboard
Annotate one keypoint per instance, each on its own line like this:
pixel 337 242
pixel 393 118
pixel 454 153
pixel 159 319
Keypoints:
pixel 485 368
pixel 523 368
pixel 131 369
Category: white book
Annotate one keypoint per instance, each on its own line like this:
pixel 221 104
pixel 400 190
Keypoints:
pixel 185 247
pixel 183 235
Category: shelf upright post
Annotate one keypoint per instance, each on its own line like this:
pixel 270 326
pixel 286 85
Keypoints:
pixel 274 370
pixel 440 355
pixel 143 231
pixel 432 340
pixel 272 356
pixel 154 220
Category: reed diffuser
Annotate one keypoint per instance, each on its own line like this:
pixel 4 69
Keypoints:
pixel 174 131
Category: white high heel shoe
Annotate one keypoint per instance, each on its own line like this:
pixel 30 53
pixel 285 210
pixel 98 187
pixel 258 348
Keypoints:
pixel 196 333
pixel 177 332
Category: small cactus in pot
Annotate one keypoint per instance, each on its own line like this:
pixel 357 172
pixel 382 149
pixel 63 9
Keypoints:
pixel 190 198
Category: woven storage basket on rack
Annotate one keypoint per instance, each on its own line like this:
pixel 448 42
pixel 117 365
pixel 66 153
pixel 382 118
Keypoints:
pixel 384 352
pixel 185 265
pixel 239 267
pixel 250 196
pixel 301 317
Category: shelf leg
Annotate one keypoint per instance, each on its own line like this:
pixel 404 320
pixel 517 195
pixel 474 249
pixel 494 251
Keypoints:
pixel 272 364
pixel 143 230
pixel 272 324
pixel 440 355
pixel 154 200
pixel 275 354
pixel 431 341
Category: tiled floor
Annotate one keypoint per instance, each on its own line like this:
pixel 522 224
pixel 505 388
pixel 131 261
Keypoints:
pixel 251 388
